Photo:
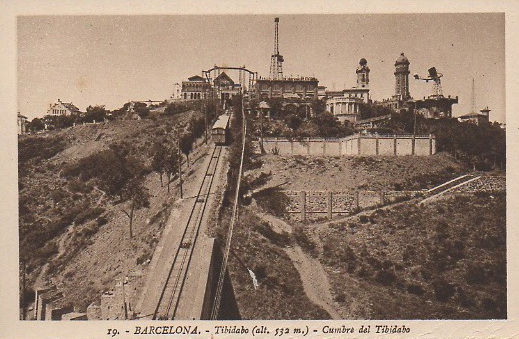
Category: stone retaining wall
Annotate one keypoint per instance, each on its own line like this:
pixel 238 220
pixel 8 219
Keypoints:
pixel 315 205
pixel 357 144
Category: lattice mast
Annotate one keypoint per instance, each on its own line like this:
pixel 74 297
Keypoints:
pixel 276 60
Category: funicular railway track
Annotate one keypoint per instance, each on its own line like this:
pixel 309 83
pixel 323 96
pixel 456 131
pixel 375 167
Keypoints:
pixel 172 290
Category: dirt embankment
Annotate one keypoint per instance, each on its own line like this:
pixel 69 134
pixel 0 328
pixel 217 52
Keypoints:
pixel 342 173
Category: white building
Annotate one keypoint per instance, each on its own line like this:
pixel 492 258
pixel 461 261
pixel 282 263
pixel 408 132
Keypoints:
pixel 345 105
pixel 63 108
pixel 177 92
pixel 22 124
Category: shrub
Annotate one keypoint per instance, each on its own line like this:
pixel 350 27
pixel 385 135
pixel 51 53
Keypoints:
pixel 304 240
pixel 143 258
pixel 265 230
pixel 78 186
pixel 364 219
pixel 89 230
pixel 475 274
pixel 415 289
pixel 101 220
pixel 272 201
pixel 340 298
pixel 39 147
pixel 443 290
pixel 385 277
pixel 88 214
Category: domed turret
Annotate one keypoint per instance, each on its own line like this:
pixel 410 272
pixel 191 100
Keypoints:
pixel 402 78
pixel 363 73
pixel 402 60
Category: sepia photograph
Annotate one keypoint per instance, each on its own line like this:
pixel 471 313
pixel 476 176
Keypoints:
pixel 203 177
pixel 294 166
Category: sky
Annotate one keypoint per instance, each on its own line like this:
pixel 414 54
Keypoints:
pixel 109 60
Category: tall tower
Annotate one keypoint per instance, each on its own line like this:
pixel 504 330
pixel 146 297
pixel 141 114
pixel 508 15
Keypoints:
pixel 363 73
pixel 276 60
pixel 402 78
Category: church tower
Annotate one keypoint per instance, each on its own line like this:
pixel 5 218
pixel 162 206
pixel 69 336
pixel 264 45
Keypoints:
pixel 402 78
pixel 362 74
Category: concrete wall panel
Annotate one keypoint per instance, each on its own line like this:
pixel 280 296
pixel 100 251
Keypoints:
pixel 404 146
pixel 368 146
pixel 386 146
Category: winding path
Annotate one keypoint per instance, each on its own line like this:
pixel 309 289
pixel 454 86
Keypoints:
pixel 312 273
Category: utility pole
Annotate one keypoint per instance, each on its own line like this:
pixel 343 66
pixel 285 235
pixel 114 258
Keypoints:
pixel 261 129
pixel 205 121
pixel 414 124
pixel 179 165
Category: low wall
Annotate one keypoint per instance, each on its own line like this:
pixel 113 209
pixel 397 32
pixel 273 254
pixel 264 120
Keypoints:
pixel 357 144
pixel 315 205
pixel 486 183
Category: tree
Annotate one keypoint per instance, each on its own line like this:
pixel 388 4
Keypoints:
pixel 293 121
pixel 95 113
pixel 138 195
pixel 197 127
pixel 141 109
pixel 369 111
pixel 60 121
pixel 159 152
pixel 186 144
pixel 171 161
pixel 36 125
pixel 329 126
pixel 319 106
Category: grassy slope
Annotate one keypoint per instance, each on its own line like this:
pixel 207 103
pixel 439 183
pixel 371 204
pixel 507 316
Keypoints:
pixel 93 253
pixel 280 294
pixel 446 260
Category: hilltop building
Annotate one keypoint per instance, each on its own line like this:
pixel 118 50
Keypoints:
pixel 433 107
pixel 345 104
pixel 196 87
pixel 301 87
pixel 278 86
pixel 477 118
pixel 177 92
pixel 402 94
pixel 22 124
pixel 225 87
pixel 63 109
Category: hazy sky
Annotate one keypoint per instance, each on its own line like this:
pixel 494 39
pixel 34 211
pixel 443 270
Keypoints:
pixel 108 60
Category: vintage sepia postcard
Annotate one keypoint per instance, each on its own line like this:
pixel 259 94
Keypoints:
pixel 223 170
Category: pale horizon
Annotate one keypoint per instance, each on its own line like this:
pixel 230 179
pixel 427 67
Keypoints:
pixel 109 60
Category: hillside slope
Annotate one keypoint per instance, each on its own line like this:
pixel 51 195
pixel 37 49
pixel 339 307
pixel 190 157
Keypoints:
pixel 73 235
pixel 443 260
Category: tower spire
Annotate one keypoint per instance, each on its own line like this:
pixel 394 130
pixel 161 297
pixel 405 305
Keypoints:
pixel 276 60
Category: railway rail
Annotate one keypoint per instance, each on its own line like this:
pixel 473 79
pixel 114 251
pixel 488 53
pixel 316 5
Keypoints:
pixel 171 293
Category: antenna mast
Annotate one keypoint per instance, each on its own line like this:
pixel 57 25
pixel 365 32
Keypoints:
pixel 276 60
